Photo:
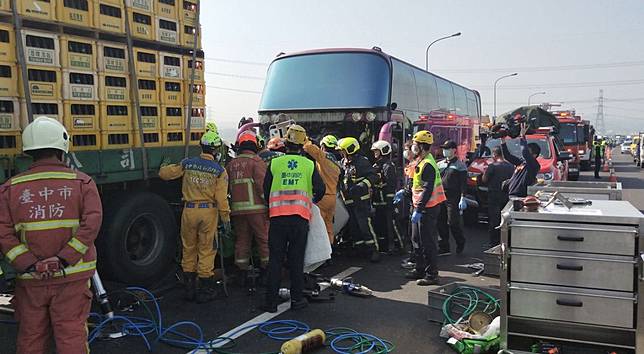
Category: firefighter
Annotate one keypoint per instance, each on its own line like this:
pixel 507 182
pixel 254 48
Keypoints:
pixel 265 152
pixel 248 210
pixel 383 197
pixel 329 144
pixel 598 150
pixel 330 172
pixel 50 216
pixel 356 188
pixel 427 195
pixel 403 203
pixel 454 177
pixel 205 191
pixel 292 184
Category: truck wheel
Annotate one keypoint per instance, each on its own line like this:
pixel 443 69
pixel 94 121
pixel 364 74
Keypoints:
pixel 139 239
pixel 471 216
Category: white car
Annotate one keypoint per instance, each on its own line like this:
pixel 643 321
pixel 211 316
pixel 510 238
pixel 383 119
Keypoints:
pixel 626 147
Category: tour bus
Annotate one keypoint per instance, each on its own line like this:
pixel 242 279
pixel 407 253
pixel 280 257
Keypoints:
pixel 364 93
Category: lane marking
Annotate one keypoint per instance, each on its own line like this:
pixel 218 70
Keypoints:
pixel 267 316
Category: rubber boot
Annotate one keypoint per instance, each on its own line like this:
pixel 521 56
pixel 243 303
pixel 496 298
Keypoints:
pixel 206 291
pixel 189 281
pixel 375 255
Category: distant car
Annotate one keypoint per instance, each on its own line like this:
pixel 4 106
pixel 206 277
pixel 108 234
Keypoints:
pixel 626 148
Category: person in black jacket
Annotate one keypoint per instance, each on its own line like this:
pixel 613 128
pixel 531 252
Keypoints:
pixel 383 197
pixel 526 167
pixel 454 176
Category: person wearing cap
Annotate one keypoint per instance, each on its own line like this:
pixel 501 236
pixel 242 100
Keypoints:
pixel 205 192
pixel 496 173
pixel 383 198
pixel 50 216
pixel 291 186
pixel 330 172
pixel 357 184
pixel 248 209
pixel 454 178
pixel 427 195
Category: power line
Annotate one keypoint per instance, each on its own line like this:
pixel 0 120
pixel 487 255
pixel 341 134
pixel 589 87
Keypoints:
pixel 233 89
pixel 565 85
pixel 235 61
pixel 236 76
pixel 547 68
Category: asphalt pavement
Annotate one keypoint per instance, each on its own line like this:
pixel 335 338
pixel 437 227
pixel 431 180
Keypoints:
pixel 397 312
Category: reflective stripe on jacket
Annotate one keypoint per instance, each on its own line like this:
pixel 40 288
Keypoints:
pixel 292 188
pixel 438 193
pixel 246 173
pixel 50 211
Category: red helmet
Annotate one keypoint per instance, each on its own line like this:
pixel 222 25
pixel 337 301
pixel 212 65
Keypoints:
pixel 275 144
pixel 247 135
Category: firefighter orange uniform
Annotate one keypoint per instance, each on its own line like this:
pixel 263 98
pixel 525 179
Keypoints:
pixel 50 214
pixel 205 191
pixel 330 172
pixel 249 212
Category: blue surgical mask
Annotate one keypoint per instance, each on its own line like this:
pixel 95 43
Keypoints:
pixel 448 153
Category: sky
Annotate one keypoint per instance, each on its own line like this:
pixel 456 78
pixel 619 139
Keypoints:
pixel 569 49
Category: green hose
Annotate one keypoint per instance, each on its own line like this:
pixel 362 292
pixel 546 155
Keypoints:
pixel 465 300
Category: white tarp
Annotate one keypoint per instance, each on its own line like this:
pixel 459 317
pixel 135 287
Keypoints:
pixel 341 217
pixel 318 248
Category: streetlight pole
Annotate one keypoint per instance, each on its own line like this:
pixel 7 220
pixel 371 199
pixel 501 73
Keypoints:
pixel 534 94
pixel 495 82
pixel 430 44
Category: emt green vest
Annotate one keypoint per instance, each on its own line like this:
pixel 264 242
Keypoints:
pixel 292 187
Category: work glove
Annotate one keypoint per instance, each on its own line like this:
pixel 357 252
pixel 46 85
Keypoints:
pixel 227 228
pixel 462 204
pixel 399 196
pixel 415 217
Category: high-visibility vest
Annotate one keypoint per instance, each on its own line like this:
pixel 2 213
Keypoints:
pixel 438 194
pixel 292 187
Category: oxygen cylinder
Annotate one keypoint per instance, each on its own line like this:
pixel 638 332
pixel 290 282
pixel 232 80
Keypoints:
pixel 304 343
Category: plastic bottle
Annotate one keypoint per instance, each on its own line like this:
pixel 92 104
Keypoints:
pixel 304 343
pixel 284 294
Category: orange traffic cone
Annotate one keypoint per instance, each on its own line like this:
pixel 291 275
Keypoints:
pixel 612 177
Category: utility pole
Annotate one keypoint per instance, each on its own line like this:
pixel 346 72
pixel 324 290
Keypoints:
pixel 599 122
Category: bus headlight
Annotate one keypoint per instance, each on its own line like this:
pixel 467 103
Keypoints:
pixel 356 117
pixel 370 116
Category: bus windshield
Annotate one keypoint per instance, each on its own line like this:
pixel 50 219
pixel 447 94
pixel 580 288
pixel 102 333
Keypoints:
pixel 568 133
pixel 327 81
pixel 515 147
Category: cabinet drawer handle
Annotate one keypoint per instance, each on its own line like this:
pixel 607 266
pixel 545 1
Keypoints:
pixel 570 303
pixel 570 238
pixel 570 267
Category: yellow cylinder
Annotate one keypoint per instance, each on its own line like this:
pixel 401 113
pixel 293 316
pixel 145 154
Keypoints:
pixel 304 343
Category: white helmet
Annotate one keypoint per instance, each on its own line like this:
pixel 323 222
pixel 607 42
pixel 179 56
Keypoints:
pixel 45 133
pixel 383 146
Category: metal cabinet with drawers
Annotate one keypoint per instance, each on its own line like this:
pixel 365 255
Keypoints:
pixel 573 277
pixel 579 189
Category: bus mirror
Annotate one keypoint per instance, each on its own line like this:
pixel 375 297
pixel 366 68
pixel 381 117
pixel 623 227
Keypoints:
pixel 393 106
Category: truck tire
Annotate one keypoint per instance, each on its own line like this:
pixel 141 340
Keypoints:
pixel 139 239
pixel 471 216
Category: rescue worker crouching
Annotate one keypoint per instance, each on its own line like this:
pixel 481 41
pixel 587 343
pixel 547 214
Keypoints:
pixel 248 210
pixel 356 188
pixel 329 170
pixel 454 178
pixel 205 191
pixel 291 186
pixel 50 216
pixel 383 198
pixel 427 195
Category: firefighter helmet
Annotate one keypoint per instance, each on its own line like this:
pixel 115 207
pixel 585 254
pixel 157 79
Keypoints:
pixel 424 137
pixel 210 139
pixel 383 146
pixel 329 141
pixel 45 133
pixel 296 134
pixel 349 145
pixel 247 136
pixel 275 144
pixel 211 127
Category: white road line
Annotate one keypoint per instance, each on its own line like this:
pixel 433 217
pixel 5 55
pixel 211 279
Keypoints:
pixel 266 316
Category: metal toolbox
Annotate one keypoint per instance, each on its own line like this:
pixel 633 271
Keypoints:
pixel 606 308
pixel 586 190
pixel 573 277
